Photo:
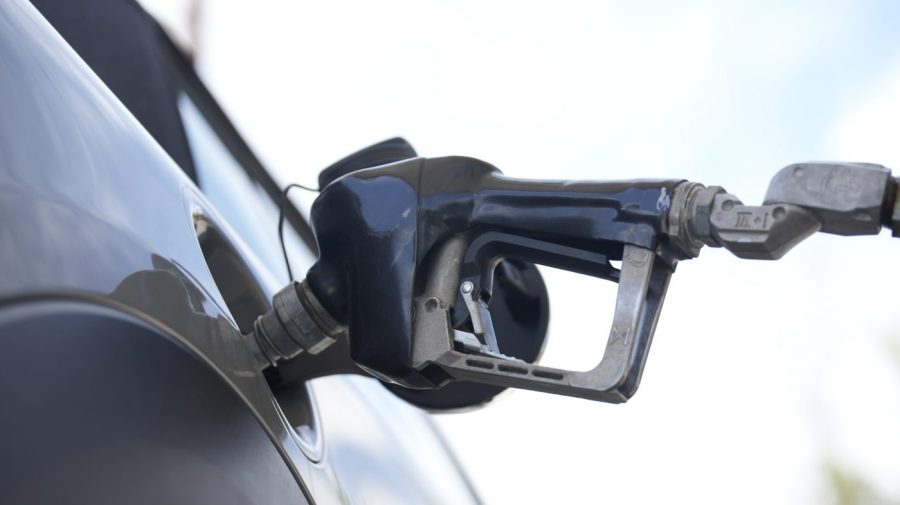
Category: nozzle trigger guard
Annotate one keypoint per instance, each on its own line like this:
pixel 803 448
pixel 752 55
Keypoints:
pixel 445 306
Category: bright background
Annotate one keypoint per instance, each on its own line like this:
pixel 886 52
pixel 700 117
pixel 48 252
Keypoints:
pixel 768 382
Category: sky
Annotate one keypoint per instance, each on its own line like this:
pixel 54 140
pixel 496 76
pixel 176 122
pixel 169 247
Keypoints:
pixel 767 381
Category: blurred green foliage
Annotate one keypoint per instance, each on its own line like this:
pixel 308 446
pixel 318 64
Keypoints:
pixel 846 487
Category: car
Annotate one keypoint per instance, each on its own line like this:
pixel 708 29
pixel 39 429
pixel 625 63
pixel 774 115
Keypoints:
pixel 138 245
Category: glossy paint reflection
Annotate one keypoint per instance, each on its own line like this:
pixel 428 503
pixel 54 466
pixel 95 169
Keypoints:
pixel 92 209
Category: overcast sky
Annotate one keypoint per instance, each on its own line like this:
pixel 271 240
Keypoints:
pixel 762 375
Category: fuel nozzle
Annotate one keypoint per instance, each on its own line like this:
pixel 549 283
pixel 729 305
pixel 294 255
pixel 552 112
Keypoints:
pixel 408 253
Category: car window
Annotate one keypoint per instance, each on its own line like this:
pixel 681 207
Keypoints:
pixel 240 199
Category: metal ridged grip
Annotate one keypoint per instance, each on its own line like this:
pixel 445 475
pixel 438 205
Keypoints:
pixel 296 323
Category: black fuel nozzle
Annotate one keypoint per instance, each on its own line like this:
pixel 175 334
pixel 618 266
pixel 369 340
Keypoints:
pixel 407 259
pixel 409 251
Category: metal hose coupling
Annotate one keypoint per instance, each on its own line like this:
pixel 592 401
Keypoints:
pixel 711 216
pixel 296 323
pixel 803 198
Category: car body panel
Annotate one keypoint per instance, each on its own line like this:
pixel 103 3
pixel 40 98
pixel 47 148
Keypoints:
pixel 94 210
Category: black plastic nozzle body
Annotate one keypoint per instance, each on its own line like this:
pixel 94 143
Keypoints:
pixel 376 227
